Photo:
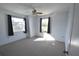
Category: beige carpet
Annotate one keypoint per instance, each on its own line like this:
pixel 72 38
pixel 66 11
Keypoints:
pixel 29 47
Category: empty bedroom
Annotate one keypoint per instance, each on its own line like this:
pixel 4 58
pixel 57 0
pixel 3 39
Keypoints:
pixel 39 29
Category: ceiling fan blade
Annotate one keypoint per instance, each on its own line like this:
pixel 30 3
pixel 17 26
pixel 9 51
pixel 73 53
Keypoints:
pixel 39 13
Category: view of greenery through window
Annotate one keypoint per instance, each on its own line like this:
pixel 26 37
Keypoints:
pixel 18 24
pixel 45 25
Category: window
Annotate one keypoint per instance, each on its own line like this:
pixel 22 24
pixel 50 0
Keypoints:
pixel 45 25
pixel 18 24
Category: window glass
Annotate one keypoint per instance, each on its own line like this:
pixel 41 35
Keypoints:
pixel 18 24
pixel 45 25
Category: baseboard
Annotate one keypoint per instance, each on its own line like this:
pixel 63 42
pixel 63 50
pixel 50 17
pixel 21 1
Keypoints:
pixel 6 43
pixel 60 40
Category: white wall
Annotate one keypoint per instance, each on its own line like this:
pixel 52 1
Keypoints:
pixel 35 21
pixel 69 27
pixel 4 38
pixel 74 49
pixel 58 25
pixel 33 25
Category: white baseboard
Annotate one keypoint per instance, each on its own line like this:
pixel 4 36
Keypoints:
pixel 60 40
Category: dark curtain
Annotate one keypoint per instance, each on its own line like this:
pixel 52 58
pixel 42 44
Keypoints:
pixel 10 27
pixel 25 26
pixel 40 24
pixel 48 24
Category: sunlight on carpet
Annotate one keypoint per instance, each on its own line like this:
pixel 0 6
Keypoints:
pixel 46 37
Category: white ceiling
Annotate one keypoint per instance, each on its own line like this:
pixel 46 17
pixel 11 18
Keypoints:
pixel 26 8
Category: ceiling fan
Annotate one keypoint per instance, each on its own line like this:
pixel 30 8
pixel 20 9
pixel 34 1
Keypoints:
pixel 34 12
